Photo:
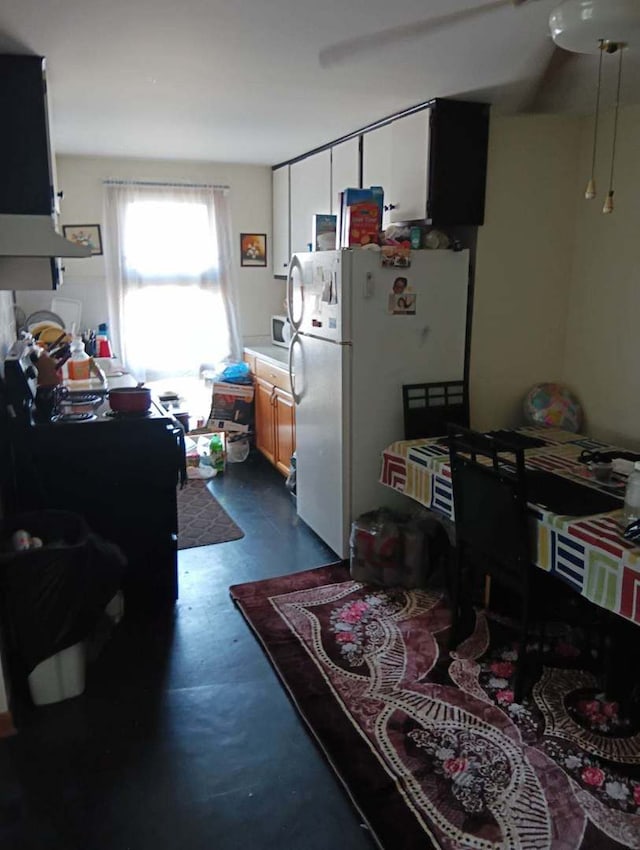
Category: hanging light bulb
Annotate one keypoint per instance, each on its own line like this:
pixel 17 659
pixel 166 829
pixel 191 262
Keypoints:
pixel 590 191
pixel 612 47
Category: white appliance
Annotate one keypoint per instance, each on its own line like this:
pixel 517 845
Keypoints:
pixel 280 331
pixel 359 334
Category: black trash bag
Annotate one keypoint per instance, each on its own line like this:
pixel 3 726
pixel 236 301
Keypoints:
pixel 54 596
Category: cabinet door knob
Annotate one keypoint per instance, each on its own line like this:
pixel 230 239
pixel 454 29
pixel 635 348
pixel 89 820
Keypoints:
pixel 60 194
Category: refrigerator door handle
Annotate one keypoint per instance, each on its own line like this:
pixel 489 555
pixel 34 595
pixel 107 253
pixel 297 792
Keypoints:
pixel 292 381
pixel 368 288
pixel 294 264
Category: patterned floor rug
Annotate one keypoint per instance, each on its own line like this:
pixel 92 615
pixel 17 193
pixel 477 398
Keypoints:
pixel 430 745
pixel 201 518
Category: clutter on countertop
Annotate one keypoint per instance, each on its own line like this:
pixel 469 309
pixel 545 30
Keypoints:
pixel 48 369
pixel 103 345
pixel 79 362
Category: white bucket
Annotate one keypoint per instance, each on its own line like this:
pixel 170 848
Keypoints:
pixel 59 677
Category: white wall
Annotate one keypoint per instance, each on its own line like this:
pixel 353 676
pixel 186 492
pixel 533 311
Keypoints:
pixel 602 354
pixel 524 262
pixel 558 283
pixel 81 178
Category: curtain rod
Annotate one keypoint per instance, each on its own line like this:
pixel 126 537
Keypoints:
pixel 160 183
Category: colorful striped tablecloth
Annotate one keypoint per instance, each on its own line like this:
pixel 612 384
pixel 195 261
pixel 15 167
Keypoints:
pixel 589 553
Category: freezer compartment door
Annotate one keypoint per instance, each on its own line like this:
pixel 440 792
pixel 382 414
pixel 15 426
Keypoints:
pixel 410 336
pixel 316 297
pixel 322 447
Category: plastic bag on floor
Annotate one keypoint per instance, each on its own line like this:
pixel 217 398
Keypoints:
pixel 237 448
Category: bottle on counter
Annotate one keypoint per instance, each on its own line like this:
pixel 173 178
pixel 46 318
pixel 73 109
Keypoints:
pixel 103 346
pixel 90 342
pixel 216 452
pixel 631 510
pixel 79 364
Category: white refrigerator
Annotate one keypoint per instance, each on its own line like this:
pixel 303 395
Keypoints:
pixel 361 331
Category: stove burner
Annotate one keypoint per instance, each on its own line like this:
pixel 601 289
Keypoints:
pixel 74 417
pixel 81 398
pixel 119 414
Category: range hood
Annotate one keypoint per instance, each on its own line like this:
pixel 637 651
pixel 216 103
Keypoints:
pixel 35 236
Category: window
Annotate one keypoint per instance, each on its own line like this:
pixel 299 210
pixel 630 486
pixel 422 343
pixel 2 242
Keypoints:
pixel 174 309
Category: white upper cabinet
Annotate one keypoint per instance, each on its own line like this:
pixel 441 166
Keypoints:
pixel 407 198
pixel 280 240
pixel 432 164
pixel 376 162
pixel 345 170
pixel 396 157
pixel 310 194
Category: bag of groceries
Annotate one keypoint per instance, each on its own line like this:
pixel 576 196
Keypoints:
pixel 390 549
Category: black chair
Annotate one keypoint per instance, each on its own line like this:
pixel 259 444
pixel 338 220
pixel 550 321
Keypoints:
pixel 492 536
pixel 428 408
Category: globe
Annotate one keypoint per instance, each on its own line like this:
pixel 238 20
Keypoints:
pixel 552 406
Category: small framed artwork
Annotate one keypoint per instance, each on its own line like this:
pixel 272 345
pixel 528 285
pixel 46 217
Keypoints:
pixel 87 235
pixel 253 249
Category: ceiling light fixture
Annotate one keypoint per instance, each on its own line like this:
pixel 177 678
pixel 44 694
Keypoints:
pixel 603 26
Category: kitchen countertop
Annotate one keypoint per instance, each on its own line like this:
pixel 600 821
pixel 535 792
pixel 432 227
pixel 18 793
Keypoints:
pixel 113 382
pixel 274 353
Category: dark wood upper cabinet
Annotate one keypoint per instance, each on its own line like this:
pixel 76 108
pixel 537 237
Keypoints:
pixel 26 182
pixel 457 169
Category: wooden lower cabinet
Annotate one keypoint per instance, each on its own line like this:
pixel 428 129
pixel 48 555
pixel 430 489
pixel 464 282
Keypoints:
pixel 275 417
pixel 265 436
pixel 284 429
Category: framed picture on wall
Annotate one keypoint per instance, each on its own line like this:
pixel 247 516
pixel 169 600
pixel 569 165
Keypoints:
pixel 87 235
pixel 253 249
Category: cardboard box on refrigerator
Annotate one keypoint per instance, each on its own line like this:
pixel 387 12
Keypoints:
pixel 231 407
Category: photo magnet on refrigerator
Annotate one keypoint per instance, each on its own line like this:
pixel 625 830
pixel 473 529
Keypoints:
pixel 402 299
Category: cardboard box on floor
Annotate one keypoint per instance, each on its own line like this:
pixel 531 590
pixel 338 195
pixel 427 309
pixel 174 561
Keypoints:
pixel 231 407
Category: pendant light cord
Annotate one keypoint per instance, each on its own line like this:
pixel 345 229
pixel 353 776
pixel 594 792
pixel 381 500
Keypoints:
pixel 595 123
pixel 615 121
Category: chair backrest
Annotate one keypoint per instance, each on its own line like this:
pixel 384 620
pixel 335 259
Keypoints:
pixel 490 503
pixel 428 408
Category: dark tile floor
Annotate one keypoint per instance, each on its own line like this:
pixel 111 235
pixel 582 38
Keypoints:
pixel 184 736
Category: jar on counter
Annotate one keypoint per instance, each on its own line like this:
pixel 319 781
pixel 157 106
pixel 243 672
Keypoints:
pixel 79 364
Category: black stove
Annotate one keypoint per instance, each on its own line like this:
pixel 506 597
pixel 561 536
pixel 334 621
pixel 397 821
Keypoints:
pixel 119 472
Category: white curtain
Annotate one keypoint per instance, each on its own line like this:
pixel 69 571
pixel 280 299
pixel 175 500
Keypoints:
pixel 170 283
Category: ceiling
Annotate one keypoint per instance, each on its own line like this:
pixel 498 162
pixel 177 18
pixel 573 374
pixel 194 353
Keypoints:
pixel 241 82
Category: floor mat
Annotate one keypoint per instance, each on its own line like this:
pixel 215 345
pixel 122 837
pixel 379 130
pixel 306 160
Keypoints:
pixel 201 518
pixel 431 746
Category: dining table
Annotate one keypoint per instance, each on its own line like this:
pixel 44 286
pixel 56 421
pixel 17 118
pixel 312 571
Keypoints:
pixel 576 519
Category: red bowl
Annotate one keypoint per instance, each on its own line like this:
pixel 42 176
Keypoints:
pixel 130 400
